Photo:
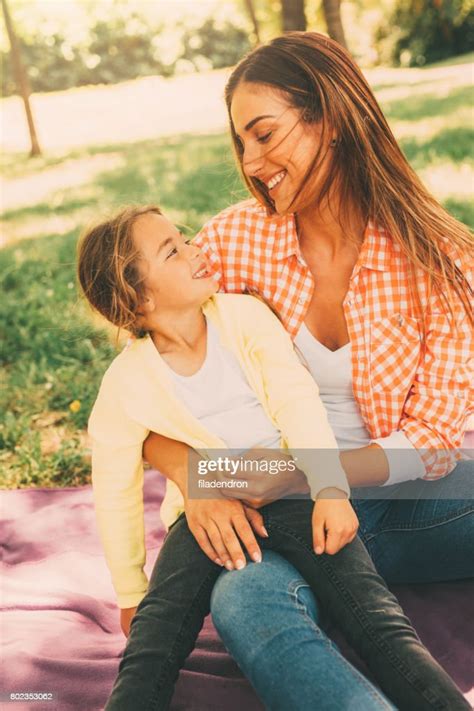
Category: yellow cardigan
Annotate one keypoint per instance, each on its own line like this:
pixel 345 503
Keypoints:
pixel 136 396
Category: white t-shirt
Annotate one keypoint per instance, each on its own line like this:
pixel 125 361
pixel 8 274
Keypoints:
pixel 332 371
pixel 219 396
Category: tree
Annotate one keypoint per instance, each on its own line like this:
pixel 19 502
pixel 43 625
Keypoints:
pixel 332 15
pixel 21 78
pixel 292 15
pixel 250 7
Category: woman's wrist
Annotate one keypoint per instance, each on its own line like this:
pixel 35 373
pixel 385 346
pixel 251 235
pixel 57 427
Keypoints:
pixel 366 466
pixel 331 492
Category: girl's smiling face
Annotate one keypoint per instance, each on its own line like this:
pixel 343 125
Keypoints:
pixel 176 273
pixel 278 146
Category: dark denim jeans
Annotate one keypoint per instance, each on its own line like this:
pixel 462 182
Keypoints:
pixel 169 618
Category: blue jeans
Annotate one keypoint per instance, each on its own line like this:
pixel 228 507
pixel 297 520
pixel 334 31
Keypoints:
pixel 418 539
pixel 410 540
pixel 289 660
pixel 168 619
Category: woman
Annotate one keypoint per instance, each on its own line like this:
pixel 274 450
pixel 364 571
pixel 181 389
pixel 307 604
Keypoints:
pixel 370 277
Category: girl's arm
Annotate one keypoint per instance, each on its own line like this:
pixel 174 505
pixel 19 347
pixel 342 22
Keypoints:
pixel 117 481
pixel 294 401
pixel 292 397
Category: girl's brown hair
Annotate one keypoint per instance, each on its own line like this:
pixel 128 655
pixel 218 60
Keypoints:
pixel 319 77
pixel 108 269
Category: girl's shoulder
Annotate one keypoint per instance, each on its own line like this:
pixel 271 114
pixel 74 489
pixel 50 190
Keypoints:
pixel 240 309
pixel 132 354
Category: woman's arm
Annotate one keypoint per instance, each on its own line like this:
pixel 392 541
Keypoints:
pixel 218 524
pixel 436 411
pixel 170 457
pixel 366 466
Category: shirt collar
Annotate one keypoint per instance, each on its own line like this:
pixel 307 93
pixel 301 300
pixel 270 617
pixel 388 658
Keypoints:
pixel 285 242
pixel 375 251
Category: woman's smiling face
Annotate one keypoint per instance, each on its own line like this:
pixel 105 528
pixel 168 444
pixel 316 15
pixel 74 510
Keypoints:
pixel 278 146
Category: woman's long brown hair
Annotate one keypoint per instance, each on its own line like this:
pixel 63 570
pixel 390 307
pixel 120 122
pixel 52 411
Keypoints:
pixel 368 167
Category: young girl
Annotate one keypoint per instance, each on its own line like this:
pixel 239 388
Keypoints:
pixel 218 371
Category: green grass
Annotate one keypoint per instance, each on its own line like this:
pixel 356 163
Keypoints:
pixel 54 353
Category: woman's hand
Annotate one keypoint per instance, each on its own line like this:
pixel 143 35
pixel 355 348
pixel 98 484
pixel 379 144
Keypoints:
pixel 126 617
pixel 334 522
pixel 218 524
pixel 265 484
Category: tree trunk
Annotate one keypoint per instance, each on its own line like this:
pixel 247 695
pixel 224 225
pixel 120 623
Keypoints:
pixel 249 4
pixel 292 15
pixel 332 15
pixel 21 79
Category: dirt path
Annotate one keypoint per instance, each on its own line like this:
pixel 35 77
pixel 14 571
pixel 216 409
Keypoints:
pixel 152 107
pixel 123 113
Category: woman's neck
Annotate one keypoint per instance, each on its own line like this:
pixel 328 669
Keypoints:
pixel 183 330
pixel 320 230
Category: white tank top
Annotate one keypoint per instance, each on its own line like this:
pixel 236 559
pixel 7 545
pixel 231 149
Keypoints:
pixel 332 371
pixel 219 396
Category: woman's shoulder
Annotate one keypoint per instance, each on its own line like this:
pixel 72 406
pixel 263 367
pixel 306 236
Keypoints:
pixel 249 208
pixel 245 217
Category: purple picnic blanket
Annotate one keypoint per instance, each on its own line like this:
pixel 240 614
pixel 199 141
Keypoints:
pixel 61 632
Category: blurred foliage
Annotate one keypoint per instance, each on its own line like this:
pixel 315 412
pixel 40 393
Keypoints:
pixel 421 31
pixel 221 46
pixel 108 42
pixel 123 47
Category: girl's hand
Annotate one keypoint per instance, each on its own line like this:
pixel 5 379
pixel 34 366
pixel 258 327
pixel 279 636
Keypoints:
pixel 334 522
pixel 126 617
pixel 218 524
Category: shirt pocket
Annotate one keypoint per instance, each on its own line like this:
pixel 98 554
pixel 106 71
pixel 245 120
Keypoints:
pixel 395 347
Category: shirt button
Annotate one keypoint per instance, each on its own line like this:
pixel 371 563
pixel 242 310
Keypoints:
pixel 301 300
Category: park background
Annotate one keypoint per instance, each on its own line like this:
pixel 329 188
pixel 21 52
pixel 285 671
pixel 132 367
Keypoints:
pixel 127 106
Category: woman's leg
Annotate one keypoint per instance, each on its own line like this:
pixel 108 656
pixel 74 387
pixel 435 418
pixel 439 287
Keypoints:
pixel 166 625
pixel 268 619
pixel 420 531
pixel 358 600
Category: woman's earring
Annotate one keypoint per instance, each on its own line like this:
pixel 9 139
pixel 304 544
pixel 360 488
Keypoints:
pixel 333 143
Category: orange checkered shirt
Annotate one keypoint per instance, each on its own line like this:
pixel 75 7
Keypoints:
pixel 422 388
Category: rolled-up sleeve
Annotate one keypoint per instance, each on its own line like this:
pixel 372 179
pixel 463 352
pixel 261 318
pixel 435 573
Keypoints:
pixel 440 401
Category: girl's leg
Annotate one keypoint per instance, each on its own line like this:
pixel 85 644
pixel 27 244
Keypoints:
pixel 268 619
pixel 166 624
pixel 358 600
pixel 420 531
